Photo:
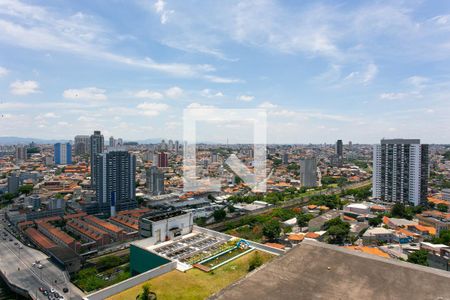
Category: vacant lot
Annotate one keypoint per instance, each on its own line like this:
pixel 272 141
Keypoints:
pixel 195 284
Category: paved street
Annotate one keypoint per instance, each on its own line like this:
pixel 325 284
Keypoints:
pixel 17 265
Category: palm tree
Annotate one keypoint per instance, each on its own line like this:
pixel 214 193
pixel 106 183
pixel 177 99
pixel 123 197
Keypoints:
pixel 146 293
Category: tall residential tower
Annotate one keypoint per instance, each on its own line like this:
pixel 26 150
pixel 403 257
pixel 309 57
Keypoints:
pixel 400 171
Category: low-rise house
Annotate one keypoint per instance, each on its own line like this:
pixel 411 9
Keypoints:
pixel 377 235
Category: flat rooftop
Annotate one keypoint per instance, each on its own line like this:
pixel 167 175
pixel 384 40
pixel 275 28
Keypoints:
pixel 184 247
pixel 315 270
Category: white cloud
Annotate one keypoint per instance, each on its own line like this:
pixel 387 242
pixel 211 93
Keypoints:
pixel 218 79
pixel 89 93
pixel 267 105
pixel 246 98
pixel 149 94
pixel 160 8
pixel 38 28
pixel 151 108
pixel 417 81
pixel 364 77
pixel 196 105
pixel 23 88
pixel 210 93
pixel 174 92
pixel 3 71
pixel 393 96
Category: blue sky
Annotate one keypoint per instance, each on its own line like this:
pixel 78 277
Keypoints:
pixel 354 70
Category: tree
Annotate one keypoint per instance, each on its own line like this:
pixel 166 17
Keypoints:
pixel 272 229
pixel 8 196
pixel 444 238
pixel 219 215
pixel 25 189
pixel 442 207
pixel 338 233
pixel 146 294
pixel 255 262
pixel 419 257
pixel 303 219
pixel 375 221
pixel 337 230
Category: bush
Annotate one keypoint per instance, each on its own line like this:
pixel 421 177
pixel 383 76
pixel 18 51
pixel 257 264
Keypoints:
pixel 255 262
pixel 272 229
pixel 419 258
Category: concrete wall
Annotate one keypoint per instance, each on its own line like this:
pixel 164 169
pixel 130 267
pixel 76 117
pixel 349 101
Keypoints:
pixel 133 281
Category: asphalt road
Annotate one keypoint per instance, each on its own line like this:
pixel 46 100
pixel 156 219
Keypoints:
pixel 17 265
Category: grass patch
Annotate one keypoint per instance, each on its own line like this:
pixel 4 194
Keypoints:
pixel 195 284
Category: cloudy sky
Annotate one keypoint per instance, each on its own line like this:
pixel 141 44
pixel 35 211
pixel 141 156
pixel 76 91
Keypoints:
pixel 354 70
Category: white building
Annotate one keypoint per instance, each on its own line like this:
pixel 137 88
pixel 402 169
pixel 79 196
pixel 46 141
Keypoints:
pixel 164 226
pixel 400 171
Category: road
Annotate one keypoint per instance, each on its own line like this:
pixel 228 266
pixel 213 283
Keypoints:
pixel 289 203
pixel 17 265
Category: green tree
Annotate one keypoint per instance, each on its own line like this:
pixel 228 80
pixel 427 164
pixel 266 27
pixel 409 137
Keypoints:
pixel 303 219
pixel 255 262
pixel 419 257
pixel 146 294
pixel 25 189
pixel 219 215
pixel 8 196
pixel 444 238
pixel 442 207
pixel 375 221
pixel 338 233
pixel 272 229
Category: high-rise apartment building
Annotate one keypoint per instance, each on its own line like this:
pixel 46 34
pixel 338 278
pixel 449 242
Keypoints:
pixel 163 160
pixel 339 148
pixel 155 181
pixel 285 159
pixel 400 171
pixel 21 153
pixel 115 181
pixel 63 153
pixel 96 143
pixel 112 142
pixel 308 172
pixel 81 145
pixel 177 146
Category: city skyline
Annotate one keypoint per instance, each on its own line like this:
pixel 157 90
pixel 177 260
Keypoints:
pixel 322 70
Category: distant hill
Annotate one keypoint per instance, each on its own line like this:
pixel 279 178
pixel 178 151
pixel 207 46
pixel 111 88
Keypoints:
pixel 13 140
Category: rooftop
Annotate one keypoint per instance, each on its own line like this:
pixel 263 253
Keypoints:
pixel 319 271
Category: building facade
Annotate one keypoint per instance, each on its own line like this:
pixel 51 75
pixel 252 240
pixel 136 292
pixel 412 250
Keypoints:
pixel 115 181
pixel 163 160
pixel 81 145
pixel 155 181
pixel 21 153
pixel 63 153
pixel 308 172
pixel 400 171
pixel 96 144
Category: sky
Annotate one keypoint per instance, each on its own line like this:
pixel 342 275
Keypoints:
pixel 323 70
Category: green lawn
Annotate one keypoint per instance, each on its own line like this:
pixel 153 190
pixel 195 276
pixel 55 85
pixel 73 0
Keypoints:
pixel 195 284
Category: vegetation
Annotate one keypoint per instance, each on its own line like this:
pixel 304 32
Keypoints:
pixel 419 257
pixel 196 284
pixel 272 229
pixel 303 219
pixel 444 238
pixel 442 207
pixel 375 221
pixel 331 201
pixel 360 193
pixel 108 271
pixel 399 210
pixel 219 215
pixel 25 189
pixel 255 262
pixel 146 294
pixel 337 230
